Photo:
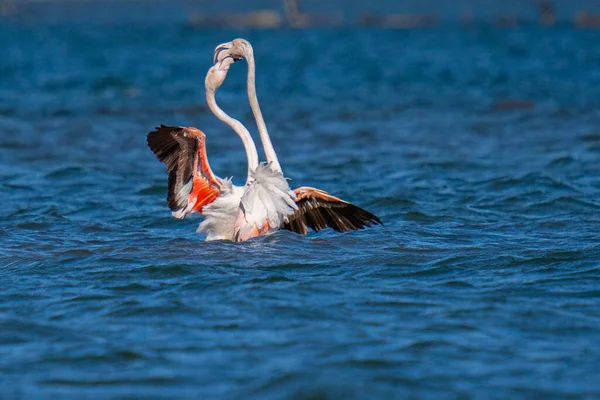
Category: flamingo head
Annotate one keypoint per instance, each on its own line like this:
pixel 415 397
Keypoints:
pixel 223 51
pixel 241 48
pixel 217 73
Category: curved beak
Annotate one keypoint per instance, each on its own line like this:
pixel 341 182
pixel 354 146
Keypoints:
pixel 221 52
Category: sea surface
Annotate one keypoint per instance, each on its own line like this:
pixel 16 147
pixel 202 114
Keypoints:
pixel 478 147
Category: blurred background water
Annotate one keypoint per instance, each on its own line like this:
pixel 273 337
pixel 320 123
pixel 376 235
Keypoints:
pixel 478 146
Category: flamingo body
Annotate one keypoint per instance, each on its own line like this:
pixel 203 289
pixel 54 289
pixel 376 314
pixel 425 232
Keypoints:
pixel 265 205
pixel 231 212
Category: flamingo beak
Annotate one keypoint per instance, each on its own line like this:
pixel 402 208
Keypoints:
pixel 221 52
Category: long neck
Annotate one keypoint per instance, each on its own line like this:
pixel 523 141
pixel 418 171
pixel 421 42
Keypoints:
pixel 260 122
pixel 241 131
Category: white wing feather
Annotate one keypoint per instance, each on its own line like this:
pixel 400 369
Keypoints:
pixel 266 203
pixel 220 215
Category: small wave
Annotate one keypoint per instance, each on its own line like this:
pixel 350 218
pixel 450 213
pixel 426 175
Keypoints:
pixel 110 82
pixel 82 298
pixel 96 228
pixel 271 279
pixel 418 216
pixel 167 271
pixel 149 380
pixel 455 284
pixel 135 308
pixel 591 137
pixel 390 201
pixel 163 222
pixel 530 180
pixel 34 226
pixel 563 203
pixel 431 271
pixel 561 161
pixel 78 253
pixel 16 144
pixel 60 112
pixel 446 164
pixel 65 172
pixel 152 190
pixel 426 344
pixel 512 105
pixel 14 186
pixel 594 148
pixel 7 111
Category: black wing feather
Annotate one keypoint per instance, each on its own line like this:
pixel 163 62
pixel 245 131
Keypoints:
pixel 177 150
pixel 317 213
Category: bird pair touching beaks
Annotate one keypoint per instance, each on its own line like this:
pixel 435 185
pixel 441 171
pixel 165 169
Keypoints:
pixel 265 203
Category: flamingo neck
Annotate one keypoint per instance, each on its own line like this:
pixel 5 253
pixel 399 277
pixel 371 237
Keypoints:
pixel 241 131
pixel 260 122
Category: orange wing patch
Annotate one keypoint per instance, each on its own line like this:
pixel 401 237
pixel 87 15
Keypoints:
pixel 203 193
pixel 192 184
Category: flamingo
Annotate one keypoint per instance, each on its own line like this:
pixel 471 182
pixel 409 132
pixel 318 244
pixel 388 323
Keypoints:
pixel 193 187
pixel 316 209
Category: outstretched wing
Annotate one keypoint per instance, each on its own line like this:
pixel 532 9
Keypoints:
pixel 318 210
pixel 192 184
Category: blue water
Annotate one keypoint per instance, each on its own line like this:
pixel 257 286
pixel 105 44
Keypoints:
pixel 479 149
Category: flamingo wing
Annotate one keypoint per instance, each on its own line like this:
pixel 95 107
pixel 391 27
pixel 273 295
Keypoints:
pixel 192 185
pixel 318 210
